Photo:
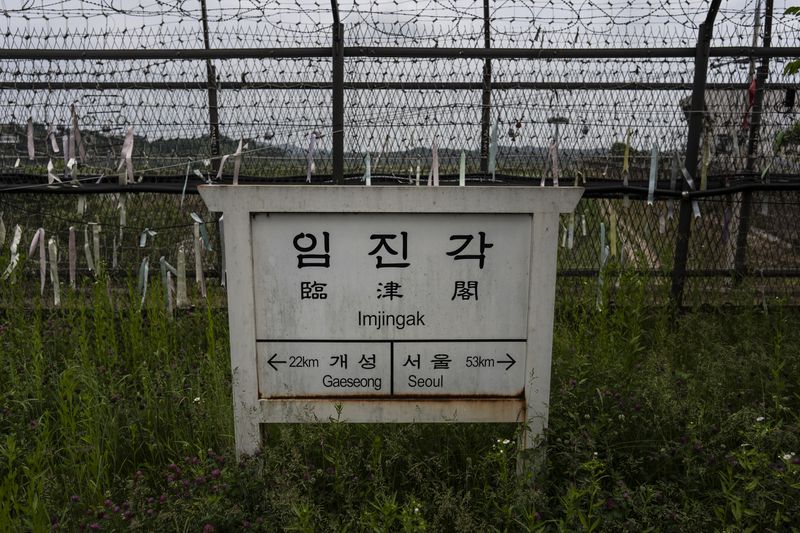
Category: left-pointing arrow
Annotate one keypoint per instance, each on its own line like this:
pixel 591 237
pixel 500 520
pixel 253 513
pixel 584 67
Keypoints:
pixel 510 361
pixel 272 362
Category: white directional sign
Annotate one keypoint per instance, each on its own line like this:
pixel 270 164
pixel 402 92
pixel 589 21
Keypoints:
pixel 389 304
pixel 424 278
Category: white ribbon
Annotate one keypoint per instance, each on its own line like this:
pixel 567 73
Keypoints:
pixel 2 231
pixel 199 276
pixel 14 259
pixel 122 205
pixel 223 277
pixel 563 235
pixel 144 270
pixel 38 239
pixel 144 235
pixel 237 161
pixel 185 183
pixel 417 182
pixel 203 231
pixel 435 164
pixel 312 145
pixel 180 296
pixel 68 148
pixel 170 293
pixel 87 249
pixel 126 155
pixel 222 165
pixel 553 149
pixel 114 251
pixel 31 149
pixel 583 225
pixel 166 270
pixel 81 204
pixel 690 182
pixel 53 249
pixel 571 231
pixel 76 135
pixel 72 256
pixel 200 175
pixel 51 178
pixel 602 242
pixel 651 188
pixel 462 170
pixel 96 243
pixel 51 134
pixel 367 171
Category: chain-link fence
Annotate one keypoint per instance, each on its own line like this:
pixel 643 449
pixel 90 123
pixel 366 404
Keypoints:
pixel 528 92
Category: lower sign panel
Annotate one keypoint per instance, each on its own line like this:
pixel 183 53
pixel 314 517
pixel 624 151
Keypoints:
pixel 323 369
pixel 292 369
pixel 461 368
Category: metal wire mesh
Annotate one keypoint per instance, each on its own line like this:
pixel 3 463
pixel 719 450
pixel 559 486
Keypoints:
pixel 586 110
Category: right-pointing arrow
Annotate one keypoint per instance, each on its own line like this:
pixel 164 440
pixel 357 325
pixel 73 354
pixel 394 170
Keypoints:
pixel 510 361
pixel 271 361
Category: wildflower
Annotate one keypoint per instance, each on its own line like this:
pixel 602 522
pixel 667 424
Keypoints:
pixel 621 417
pixel 196 400
pixel 416 510
pixel 760 419
pixel 215 473
pixel 506 442
pixel 94 526
pixel 208 528
pixel 788 456
pixel 75 498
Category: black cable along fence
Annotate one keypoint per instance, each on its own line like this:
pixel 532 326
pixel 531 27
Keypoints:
pixel 530 93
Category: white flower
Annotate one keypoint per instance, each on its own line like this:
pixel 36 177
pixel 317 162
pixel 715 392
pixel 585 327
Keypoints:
pixel 506 442
pixel 788 456
pixel 197 400
pixel 760 419
pixel 416 510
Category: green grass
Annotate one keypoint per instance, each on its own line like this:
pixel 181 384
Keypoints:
pixel 116 419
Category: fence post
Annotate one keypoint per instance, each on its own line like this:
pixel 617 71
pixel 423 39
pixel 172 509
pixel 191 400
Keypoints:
pixel 213 109
pixel 337 97
pixel 753 142
pixel 486 99
pixel 696 117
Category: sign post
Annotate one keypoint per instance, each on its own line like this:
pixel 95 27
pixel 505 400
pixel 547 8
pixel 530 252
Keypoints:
pixel 398 304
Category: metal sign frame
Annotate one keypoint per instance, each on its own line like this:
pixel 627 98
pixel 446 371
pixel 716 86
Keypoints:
pixel 238 205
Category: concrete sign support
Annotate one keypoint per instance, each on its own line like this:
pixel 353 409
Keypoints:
pixel 399 304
